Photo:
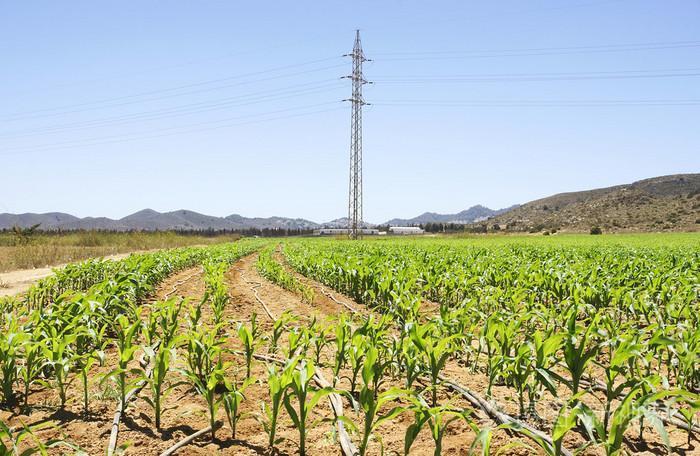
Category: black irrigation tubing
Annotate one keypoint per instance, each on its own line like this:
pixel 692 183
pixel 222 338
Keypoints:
pixel 192 437
pixel 180 282
pixel 254 288
pixel 122 406
pixel 495 414
pixel 671 417
pixel 335 402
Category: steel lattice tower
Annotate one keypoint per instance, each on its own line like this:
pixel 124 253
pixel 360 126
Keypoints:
pixel 358 80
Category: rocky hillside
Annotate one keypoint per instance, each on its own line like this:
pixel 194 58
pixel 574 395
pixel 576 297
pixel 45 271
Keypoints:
pixel 667 203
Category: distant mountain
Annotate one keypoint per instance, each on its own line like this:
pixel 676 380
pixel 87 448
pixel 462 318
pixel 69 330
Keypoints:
pixel 343 223
pixel 473 214
pixel 151 220
pixel 272 222
pixel 666 203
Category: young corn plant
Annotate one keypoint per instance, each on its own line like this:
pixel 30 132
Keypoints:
pixel 519 370
pixel 60 358
pixel 688 412
pixel 318 335
pixel 278 383
pixel 306 398
pixel 32 366
pixel 11 340
pixel 370 401
pixel 162 360
pixel 127 344
pixel 437 418
pixel 356 355
pixel 581 345
pixel 232 403
pixel 15 440
pixel 207 388
pixel 278 328
pixel 435 350
pixel 414 366
pixel 634 406
pixel 83 364
pixel 250 344
pixel 616 367
pixel 203 350
pixel 343 336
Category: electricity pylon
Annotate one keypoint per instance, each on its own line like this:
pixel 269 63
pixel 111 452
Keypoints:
pixel 358 80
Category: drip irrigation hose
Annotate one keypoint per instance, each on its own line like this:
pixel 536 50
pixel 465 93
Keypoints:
pixel 122 405
pixel 495 414
pixel 335 401
pixel 192 437
pixel 180 282
pixel 323 291
pixel 255 291
pixel 330 295
pixel 671 417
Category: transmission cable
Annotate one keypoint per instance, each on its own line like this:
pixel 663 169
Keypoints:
pixel 157 134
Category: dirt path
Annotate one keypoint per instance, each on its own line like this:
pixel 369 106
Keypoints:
pixel 19 281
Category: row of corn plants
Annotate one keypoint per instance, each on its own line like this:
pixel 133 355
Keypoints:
pixel 536 318
pixel 272 270
pixel 93 314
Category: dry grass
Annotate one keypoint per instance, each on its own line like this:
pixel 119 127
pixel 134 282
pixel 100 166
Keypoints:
pixel 42 250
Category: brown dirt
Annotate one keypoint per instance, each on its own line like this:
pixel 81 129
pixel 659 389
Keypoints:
pixel 183 404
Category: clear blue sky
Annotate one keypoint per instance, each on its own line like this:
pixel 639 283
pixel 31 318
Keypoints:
pixel 223 107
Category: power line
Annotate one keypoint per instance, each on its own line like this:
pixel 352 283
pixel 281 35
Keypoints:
pixel 157 133
pixel 475 54
pixel 66 109
pixel 530 77
pixel 535 103
pixel 170 67
pixel 181 110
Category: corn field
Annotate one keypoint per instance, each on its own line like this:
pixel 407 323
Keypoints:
pixel 437 346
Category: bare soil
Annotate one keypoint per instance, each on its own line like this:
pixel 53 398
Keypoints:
pixel 183 406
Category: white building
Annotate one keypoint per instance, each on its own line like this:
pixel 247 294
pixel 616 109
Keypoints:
pixel 343 232
pixel 405 230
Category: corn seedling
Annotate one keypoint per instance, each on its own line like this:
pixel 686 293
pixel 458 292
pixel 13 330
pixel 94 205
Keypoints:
pixel 306 397
pixel 370 401
pixel 250 344
pixel 278 382
pixel 279 327
pixel 580 347
pixel 11 340
pixel 127 344
pixel 10 441
pixel 162 360
pixel 233 400
pixel 435 350
pixel 32 366
pixel 84 363
pixel 60 358
pixel 203 350
pixel 207 388
pixel 436 418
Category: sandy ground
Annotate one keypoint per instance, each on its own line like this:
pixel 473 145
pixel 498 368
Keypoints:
pixel 16 282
